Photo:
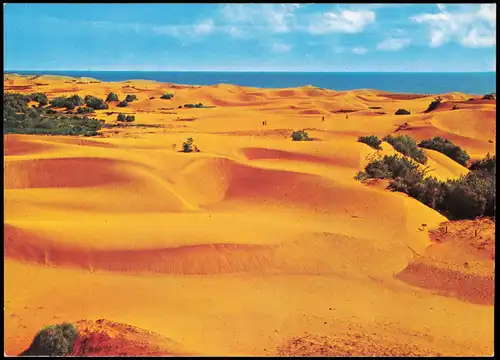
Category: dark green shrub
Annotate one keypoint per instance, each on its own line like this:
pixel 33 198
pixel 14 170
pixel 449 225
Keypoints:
pixel 130 98
pixel 122 104
pixel 41 98
pixel 491 96
pixel 121 117
pixel 53 340
pixel 188 146
pixel 76 100
pixel 112 97
pixel 407 146
pixel 372 141
pixel 130 118
pixel 199 105
pixel 300 135
pixel 487 164
pixel 84 110
pixel 95 103
pixel 402 112
pixel 434 104
pixel 167 96
pixel 446 147
pixel 51 112
pixel 468 197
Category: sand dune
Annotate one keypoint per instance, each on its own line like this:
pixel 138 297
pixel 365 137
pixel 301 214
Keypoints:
pixel 257 245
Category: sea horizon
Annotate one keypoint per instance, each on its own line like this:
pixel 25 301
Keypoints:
pixel 476 83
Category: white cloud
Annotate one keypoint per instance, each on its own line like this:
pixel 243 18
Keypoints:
pixel 391 44
pixel 346 21
pixel 472 27
pixel 203 28
pixel 359 50
pixel 274 17
pixel 280 47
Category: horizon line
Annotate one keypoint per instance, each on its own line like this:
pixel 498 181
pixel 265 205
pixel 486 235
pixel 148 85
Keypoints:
pixel 254 71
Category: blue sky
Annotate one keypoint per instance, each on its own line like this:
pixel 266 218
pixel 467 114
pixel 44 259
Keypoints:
pixel 255 37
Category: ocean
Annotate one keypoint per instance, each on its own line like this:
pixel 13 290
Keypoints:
pixel 416 83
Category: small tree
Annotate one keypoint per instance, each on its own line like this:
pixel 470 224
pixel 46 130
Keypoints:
pixel 53 340
pixel 122 104
pixel 121 117
pixel 95 103
pixel 300 135
pixel 112 97
pixel 130 118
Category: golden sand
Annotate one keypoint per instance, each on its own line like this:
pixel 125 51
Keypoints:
pixel 257 245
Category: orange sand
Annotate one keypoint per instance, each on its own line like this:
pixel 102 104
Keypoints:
pixel 257 245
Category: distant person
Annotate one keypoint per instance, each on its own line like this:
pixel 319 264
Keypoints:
pixel 322 118
pixel 347 116
pixel 263 123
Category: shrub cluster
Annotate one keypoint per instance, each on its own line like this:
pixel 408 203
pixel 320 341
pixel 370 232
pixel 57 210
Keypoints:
pixel 300 135
pixel 491 96
pixel 446 147
pixel 468 197
pixel 122 104
pixel 167 96
pixel 95 103
pixel 53 340
pixel 129 118
pixel 66 102
pixel 372 141
pixel 130 98
pixel 20 119
pixel 84 110
pixel 406 146
pixel 200 105
pixel 402 112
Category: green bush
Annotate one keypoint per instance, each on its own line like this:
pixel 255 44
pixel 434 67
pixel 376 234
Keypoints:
pixel 122 104
pixel 130 98
pixel 51 112
pixel 112 97
pixel 41 98
pixel 199 105
pixel 468 197
pixel 130 118
pixel 65 102
pixel 491 96
pixel 121 117
pixel 372 141
pixel 84 110
pixel 487 164
pixel 446 147
pixel 402 112
pixel 434 105
pixel 167 96
pixel 407 146
pixel 95 103
pixel 300 135
pixel 189 146
pixel 53 340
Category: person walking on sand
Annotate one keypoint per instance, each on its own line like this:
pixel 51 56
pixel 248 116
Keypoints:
pixel 346 116
pixel 322 118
